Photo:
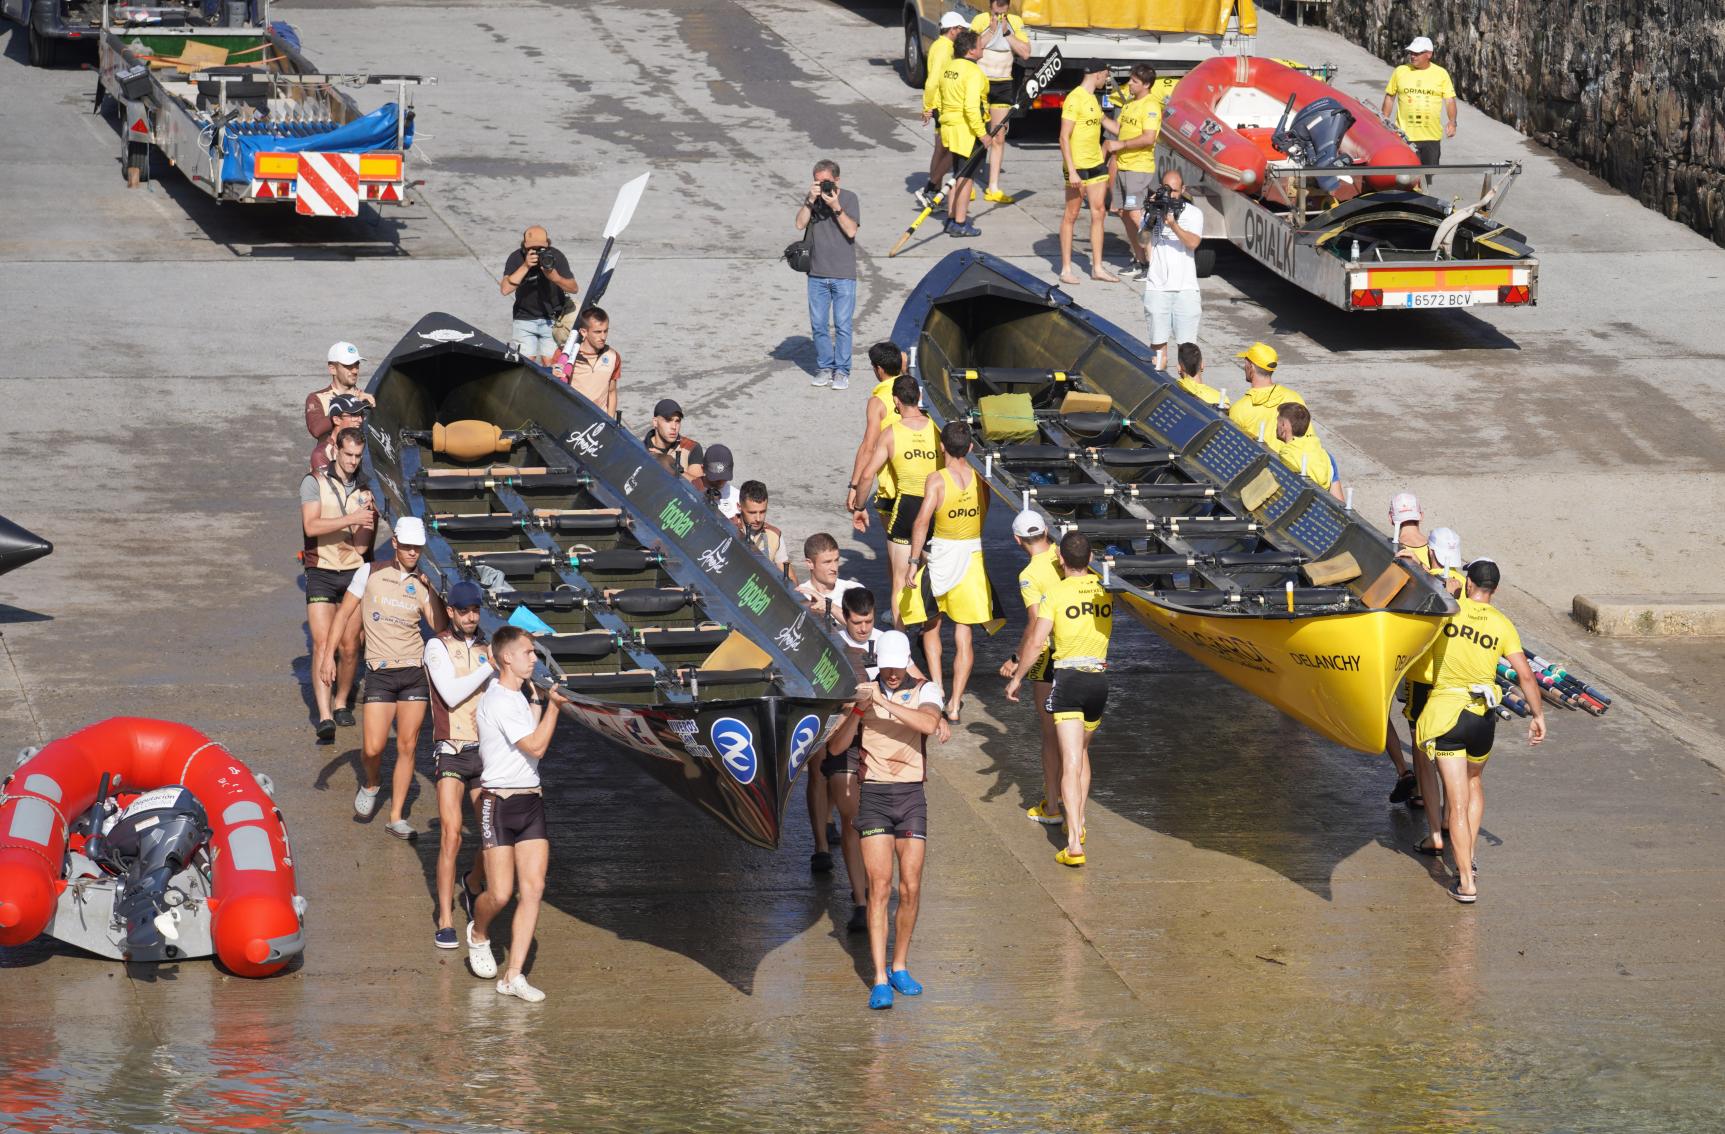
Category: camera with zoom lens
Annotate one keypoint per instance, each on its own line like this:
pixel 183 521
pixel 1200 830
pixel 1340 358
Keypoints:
pixel 829 188
pixel 541 249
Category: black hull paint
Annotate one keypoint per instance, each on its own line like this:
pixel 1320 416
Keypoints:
pixel 18 546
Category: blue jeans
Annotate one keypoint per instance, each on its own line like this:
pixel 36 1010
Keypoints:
pixel 832 302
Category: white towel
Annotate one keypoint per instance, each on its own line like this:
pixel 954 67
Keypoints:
pixel 948 560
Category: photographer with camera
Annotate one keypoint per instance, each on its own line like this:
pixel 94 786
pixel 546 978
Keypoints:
pixel 1172 228
pixel 830 215
pixel 538 276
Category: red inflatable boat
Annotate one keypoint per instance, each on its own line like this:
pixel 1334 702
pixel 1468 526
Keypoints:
pixel 1231 117
pixel 146 840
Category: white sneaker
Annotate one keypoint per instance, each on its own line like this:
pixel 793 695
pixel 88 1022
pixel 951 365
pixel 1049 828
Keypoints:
pixel 365 801
pixel 517 986
pixel 821 378
pixel 841 381
pixel 479 957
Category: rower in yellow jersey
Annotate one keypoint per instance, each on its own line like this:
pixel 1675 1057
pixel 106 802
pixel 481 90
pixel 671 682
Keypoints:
pixel 910 449
pixel 1078 616
pixel 1086 169
pixel 1457 727
pixel 963 127
pixel 939 55
pixel 954 577
pixel 1441 556
pixel 1037 579
pixel 878 413
pixel 1135 159
pixel 1191 376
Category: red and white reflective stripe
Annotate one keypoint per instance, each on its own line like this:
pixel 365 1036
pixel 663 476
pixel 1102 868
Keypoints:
pixel 328 185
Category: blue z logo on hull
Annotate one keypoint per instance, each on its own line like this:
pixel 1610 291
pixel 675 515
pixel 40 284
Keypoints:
pixel 736 748
pixel 803 741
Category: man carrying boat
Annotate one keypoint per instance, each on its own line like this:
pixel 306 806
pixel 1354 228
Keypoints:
pixel 1255 410
pixel 1443 551
pixel 751 521
pixel 1077 615
pixel 457 662
pixel 1411 544
pixel 823 590
pixel 1038 578
pixel 879 413
pixel 588 363
pixel 894 716
pixel 1191 377
pixel 344 363
pixel 949 525
pixel 345 412
pixel 717 482
pixel 391 600
pixel 1457 726
pixel 515 727
pixel 340 524
pixel 665 441
pixel 909 448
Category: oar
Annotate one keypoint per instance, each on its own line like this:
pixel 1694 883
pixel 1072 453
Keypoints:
pixel 1027 91
pixel 622 211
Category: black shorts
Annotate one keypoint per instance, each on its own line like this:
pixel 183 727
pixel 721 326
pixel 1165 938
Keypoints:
pixel 899 810
pixel 1417 693
pixel 845 763
pixel 1428 151
pixel 324 585
pixel 463 764
pixel 903 521
pixel 404 683
pixel 504 822
pixel 1472 733
pixel 999 93
pixel 1079 694
pixel 1042 669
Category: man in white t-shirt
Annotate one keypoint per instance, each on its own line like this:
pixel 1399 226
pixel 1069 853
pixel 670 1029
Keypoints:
pixel 514 732
pixel 1171 301
pixel 823 590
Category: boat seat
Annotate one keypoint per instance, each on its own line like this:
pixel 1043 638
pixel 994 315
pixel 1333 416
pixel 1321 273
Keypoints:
pixel 581 521
pixel 584 646
pixel 728 676
pixel 1009 375
pixel 629 681
pixel 501 470
pixel 650 600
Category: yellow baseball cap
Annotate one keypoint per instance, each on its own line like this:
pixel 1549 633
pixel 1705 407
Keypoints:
pixel 1260 355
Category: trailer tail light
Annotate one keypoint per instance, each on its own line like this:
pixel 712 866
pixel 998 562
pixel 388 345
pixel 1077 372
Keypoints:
pixel 1053 100
pixel 1515 293
pixel 1367 297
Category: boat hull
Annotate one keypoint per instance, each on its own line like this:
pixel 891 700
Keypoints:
pixel 1335 674
pixel 18 546
pixel 255 925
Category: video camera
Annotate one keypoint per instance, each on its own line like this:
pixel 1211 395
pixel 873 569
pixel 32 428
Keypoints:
pixel 1159 206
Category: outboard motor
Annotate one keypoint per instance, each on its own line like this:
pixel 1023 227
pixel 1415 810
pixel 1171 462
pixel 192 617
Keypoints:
pixel 145 846
pixel 1313 137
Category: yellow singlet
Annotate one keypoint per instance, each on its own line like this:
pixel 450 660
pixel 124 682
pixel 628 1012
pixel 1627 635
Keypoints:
pixel 1083 616
pixel 1141 115
pixel 961 509
pixel 886 485
pixel 912 454
pixel 1085 113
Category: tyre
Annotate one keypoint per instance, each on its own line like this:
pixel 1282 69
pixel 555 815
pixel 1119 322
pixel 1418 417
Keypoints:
pixel 1204 259
pixel 915 62
pixel 42 50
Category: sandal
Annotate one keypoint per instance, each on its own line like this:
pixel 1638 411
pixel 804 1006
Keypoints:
pixel 1425 847
pixel 1407 785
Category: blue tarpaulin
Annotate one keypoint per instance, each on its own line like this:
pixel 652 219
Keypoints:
pixel 375 131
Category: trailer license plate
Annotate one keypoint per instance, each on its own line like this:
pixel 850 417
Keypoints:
pixel 1438 299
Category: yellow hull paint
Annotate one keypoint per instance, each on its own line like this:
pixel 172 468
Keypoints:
pixel 1335 673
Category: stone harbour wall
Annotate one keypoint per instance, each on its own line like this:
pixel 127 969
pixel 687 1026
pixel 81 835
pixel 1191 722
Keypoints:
pixel 1631 90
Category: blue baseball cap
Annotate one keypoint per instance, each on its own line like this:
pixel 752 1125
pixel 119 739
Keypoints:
pixel 464 594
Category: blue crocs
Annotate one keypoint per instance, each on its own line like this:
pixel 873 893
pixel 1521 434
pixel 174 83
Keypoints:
pixel 904 982
pixel 880 996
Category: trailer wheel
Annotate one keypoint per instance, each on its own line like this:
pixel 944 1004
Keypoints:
pixel 42 50
pixel 1204 259
pixel 915 63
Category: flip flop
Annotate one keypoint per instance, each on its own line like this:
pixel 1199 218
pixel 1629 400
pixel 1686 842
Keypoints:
pixel 1428 850
pixel 1464 899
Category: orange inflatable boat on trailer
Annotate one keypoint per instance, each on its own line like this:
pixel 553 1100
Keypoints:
pixel 145 840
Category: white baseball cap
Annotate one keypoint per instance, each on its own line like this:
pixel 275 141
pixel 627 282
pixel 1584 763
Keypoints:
pixel 1421 43
pixel 1446 547
pixel 1029 523
pixel 892 650
pixel 410 530
pixel 345 353
pixel 953 20
pixel 1405 509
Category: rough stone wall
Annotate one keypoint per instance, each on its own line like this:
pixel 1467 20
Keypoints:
pixel 1632 90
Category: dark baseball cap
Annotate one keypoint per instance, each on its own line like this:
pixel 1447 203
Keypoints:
pixel 347 404
pixel 464 594
pixel 1484 572
pixel 667 408
pixel 717 467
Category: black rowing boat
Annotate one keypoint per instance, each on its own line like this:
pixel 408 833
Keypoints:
pixel 18 546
